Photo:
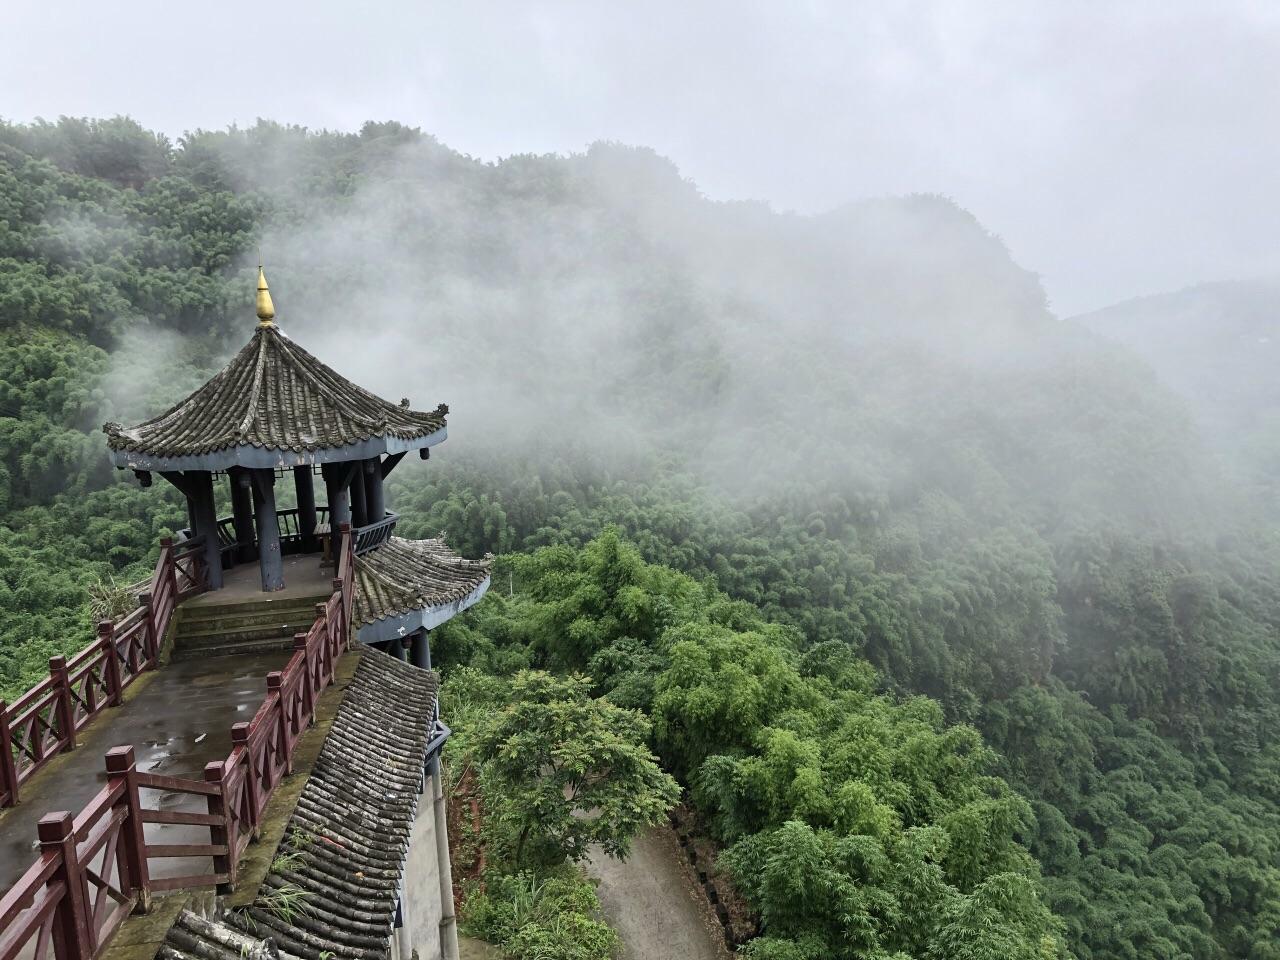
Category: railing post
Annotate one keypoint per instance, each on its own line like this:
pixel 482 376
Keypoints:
pixel 308 677
pixel 171 568
pixel 327 654
pixel 346 544
pixel 8 768
pixel 107 637
pixel 275 680
pixel 132 847
pixel 71 916
pixel 225 834
pixel 65 708
pixel 344 641
pixel 252 785
pixel 151 649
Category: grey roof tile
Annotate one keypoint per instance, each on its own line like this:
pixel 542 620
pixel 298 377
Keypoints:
pixel 404 575
pixel 355 815
pixel 276 396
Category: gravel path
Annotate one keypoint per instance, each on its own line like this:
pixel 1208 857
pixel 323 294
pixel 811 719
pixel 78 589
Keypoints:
pixel 653 903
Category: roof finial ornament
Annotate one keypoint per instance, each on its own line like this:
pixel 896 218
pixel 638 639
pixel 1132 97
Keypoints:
pixel 266 309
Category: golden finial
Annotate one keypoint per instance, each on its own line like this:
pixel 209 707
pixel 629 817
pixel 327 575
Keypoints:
pixel 266 309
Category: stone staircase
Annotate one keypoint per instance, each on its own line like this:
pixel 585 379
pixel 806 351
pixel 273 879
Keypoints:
pixel 243 627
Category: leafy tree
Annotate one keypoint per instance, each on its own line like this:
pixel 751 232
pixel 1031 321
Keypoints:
pixel 570 770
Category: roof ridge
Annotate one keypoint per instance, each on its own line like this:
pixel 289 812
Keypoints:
pixel 287 349
pixel 255 389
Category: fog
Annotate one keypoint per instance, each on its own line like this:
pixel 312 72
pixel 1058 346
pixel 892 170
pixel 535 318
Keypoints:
pixel 597 308
pixel 1118 149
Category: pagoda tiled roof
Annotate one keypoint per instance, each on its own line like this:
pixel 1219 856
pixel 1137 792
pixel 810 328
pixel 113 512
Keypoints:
pixel 355 817
pixel 275 397
pixel 402 576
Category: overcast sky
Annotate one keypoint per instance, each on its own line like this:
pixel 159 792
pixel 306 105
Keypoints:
pixel 1118 148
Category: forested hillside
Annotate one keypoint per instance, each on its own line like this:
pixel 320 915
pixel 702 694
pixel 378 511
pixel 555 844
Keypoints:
pixel 867 473
pixel 1216 344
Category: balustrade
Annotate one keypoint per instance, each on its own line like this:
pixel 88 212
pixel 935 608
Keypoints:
pixel 94 868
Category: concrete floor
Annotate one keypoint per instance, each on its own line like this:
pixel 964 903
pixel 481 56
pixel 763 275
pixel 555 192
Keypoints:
pixel 177 718
pixel 303 577
pixel 652 901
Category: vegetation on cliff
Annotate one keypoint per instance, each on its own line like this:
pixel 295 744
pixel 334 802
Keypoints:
pixel 1001 628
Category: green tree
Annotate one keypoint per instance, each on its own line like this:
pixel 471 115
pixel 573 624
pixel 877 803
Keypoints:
pixel 570 770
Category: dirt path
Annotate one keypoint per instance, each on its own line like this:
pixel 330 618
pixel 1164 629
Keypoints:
pixel 651 900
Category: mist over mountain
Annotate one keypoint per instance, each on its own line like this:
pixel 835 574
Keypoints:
pixel 1216 345
pixel 600 300
pixel 865 425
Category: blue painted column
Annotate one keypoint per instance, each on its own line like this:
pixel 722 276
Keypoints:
pixel 339 504
pixel 359 502
pixel 305 488
pixel 205 515
pixel 420 649
pixel 373 489
pixel 242 514
pixel 270 562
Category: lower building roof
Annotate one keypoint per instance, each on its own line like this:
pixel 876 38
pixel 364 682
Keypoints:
pixel 404 585
pixel 350 832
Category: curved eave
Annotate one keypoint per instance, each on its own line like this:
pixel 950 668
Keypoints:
pixel 428 617
pixel 264 457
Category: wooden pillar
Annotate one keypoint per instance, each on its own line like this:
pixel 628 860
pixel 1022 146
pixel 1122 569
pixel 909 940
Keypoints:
pixel 359 500
pixel 270 562
pixel 305 487
pixel 131 847
pixel 339 504
pixel 373 489
pixel 242 513
pixel 420 649
pixel 71 916
pixel 206 518
pixel 395 647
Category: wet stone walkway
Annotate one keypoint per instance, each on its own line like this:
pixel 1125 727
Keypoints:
pixel 178 721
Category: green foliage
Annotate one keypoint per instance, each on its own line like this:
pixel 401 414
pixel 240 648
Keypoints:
pixel 568 771
pixel 540 917
pixel 850 815
pixel 860 462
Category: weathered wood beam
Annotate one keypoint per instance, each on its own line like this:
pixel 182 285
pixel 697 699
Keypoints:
pixel 180 480
pixel 389 464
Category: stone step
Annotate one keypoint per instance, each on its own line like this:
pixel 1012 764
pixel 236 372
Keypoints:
pixel 203 640
pixel 301 618
pixel 200 611
pixel 241 648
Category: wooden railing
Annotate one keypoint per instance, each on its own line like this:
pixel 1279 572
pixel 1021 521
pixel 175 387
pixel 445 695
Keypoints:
pixel 375 534
pixel 43 722
pixel 291 537
pixel 292 540
pixel 96 868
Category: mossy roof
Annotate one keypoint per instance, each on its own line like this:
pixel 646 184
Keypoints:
pixel 355 818
pixel 405 575
pixel 273 396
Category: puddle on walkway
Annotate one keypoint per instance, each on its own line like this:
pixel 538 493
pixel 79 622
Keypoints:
pixel 180 721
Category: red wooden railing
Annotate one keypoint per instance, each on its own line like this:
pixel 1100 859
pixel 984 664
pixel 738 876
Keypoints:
pixel 96 868
pixel 43 722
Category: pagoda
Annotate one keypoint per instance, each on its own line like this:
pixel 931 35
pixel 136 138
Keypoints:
pixel 276 411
